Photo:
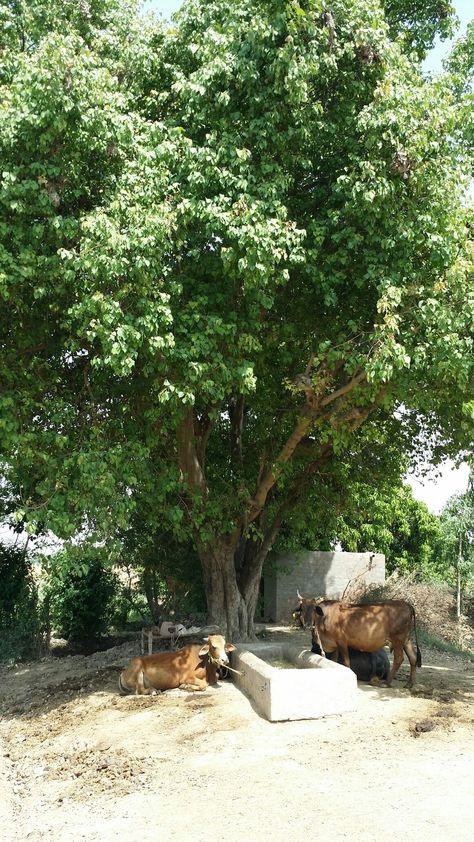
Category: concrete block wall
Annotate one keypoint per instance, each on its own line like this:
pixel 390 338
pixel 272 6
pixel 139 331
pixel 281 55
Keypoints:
pixel 320 574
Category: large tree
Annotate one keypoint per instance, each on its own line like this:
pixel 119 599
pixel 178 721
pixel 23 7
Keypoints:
pixel 457 541
pixel 394 524
pixel 235 257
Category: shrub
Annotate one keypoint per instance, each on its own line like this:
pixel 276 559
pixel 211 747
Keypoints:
pixel 80 593
pixel 19 621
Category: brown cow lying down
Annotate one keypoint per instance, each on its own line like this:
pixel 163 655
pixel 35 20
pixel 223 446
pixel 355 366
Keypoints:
pixel 191 668
pixel 368 628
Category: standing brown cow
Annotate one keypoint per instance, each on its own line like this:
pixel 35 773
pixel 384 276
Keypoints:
pixel 368 628
pixel 191 668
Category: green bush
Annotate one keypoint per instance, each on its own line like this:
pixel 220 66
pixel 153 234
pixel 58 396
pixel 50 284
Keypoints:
pixel 80 594
pixel 19 621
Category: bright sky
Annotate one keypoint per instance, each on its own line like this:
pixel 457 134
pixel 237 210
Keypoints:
pixel 439 485
pixel 164 7
pixel 465 13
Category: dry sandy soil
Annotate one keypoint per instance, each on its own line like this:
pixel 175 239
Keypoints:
pixel 78 761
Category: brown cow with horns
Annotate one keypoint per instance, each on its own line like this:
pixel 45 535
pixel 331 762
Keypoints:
pixel 191 668
pixel 367 628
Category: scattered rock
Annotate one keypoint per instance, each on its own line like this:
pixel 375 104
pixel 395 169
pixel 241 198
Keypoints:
pixel 443 696
pixel 423 726
pixel 422 690
pixel 446 712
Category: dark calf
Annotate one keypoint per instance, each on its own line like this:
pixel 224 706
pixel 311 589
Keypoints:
pixel 366 665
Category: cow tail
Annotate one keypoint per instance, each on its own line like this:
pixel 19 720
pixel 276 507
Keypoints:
pixel 418 653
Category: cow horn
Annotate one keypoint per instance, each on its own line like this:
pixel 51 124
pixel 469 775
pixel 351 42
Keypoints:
pixel 298 594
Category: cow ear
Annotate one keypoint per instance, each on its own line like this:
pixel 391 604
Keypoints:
pixel 229 647
pixel 203 650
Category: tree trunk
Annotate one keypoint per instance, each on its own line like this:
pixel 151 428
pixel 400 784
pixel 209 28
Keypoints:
pixel 229 606
pixel 458 580
pixel 150 585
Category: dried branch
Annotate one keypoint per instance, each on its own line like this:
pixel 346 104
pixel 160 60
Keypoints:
pixel 352 582
pixel 33 349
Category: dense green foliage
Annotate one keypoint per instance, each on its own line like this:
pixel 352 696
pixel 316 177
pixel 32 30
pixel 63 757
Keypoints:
pixel 168 571
pixel 396 525
pixel 19 618
pixel 230 249
pixel 416 23
pixel 79 593
pixel 456 546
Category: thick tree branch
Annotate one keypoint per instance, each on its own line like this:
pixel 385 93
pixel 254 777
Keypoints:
pixel 203 426
pixel 189 462
pixel 269 475
pixel 236 415
pixel 311 412
pixel 253 568
pixel 87 384
pixel 347 387
pixel 33 349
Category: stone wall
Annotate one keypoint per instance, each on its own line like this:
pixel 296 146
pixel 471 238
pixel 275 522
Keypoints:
pixel 320 574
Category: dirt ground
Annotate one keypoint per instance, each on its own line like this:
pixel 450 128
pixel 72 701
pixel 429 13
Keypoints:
pixel 78 761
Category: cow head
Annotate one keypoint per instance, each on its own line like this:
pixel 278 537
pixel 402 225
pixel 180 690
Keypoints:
pixel 216 649
pixel 304 612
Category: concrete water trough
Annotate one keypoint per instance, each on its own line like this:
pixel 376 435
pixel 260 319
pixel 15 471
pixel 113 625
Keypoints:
pixel 302 686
